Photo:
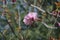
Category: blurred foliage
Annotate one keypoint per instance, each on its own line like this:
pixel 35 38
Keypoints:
pixel 9 23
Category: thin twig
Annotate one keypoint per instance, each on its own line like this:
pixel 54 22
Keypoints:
pixel 19 16
pixel 49 26
pixel 38 8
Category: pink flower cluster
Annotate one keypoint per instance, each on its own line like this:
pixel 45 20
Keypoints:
pixel 30 18
pixel 56 13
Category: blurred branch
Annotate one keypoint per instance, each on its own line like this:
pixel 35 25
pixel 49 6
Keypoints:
pixel 3 36
pixel 13 30
pixel 49 26
pixel 38 8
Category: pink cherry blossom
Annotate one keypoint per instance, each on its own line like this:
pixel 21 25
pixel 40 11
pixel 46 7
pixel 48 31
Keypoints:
pixel 30 18
pixel 56 13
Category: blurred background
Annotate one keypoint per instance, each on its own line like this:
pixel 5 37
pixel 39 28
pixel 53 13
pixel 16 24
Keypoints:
pixel 12 13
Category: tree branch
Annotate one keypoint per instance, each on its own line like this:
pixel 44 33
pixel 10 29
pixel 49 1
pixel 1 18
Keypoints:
pixel 49 26
pixel 38 8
